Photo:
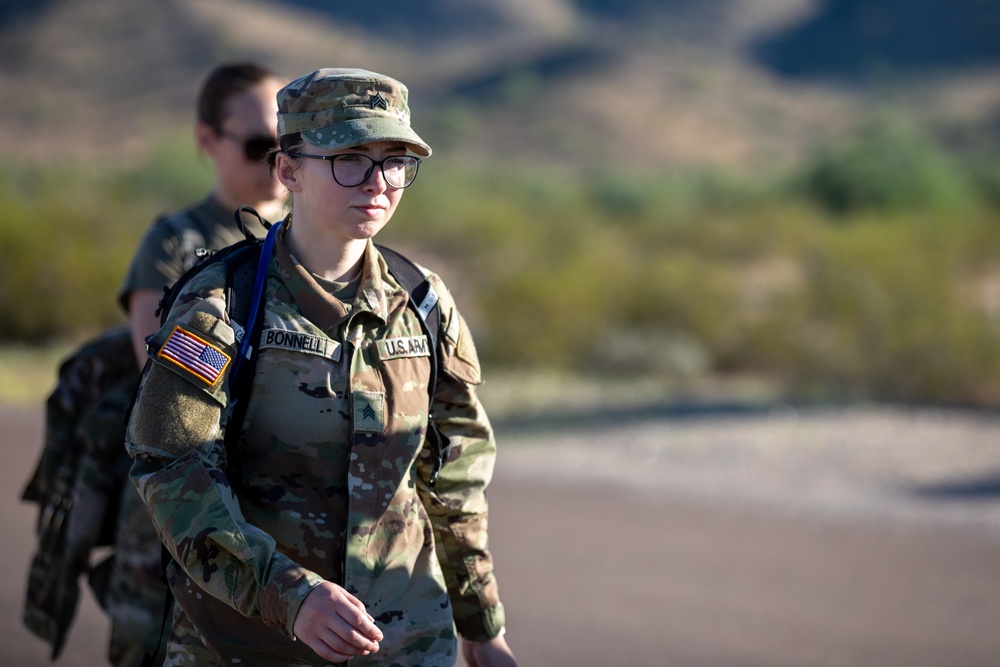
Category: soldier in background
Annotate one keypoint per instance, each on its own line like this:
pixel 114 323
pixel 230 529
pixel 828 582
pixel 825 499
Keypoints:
pixel 235 129
pixel 80 484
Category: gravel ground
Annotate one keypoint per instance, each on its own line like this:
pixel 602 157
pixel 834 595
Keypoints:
pixel 933 467
pixel 766 538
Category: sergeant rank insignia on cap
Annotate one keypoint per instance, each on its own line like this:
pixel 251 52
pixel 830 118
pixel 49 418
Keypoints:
pixel 379 101
pixel 198 357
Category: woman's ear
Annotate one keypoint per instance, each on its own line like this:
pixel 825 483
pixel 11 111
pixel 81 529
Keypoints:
pixel 286 170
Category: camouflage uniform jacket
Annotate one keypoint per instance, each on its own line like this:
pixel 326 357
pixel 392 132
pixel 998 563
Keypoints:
pixel 329 480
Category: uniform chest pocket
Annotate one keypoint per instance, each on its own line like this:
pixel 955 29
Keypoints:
pixel 299 400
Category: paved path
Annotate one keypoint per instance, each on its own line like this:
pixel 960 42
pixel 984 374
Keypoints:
pixel 855 539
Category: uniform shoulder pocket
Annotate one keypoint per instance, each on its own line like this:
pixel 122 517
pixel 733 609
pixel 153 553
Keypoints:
pixel 461 359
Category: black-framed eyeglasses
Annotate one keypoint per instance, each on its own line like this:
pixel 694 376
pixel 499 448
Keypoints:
pixel 255 148
pixel 352 169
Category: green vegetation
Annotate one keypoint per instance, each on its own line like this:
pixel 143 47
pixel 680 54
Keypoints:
pixel 891 166
pixel 67 234
pixel 870 273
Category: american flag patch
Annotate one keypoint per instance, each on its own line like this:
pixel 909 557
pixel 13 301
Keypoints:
pixel 194 355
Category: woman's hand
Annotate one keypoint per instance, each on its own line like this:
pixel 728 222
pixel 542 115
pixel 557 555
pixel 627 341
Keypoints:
pixel 491 653
pixel 334 623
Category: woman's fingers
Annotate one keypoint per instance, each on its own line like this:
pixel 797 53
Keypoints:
pixel 327 652
pixel 360 622
pixel 334 647
pixel 364 636
pixel 335 624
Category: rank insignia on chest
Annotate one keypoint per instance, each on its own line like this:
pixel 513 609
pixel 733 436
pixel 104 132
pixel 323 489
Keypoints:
pixel 369 412
pixel 197 356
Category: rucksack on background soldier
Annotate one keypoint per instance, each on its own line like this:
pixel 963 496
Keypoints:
pixel 80 485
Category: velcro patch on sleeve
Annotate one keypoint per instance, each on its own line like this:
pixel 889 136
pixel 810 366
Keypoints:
pixel 202 359
pixel 399 348
pixel 172 416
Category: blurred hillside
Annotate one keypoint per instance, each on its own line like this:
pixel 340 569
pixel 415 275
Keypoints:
pixel 804 194
pixel 741 83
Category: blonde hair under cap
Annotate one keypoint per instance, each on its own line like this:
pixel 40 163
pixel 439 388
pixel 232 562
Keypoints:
pixel 342 108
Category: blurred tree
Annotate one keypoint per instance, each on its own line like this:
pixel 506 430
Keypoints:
pixel 889 164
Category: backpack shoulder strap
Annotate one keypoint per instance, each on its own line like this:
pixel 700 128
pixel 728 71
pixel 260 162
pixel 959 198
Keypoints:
pixel 246 274
pixel 241 271
pixel 204 256
pixel 189 230
pixel 423 300
pixel 423 297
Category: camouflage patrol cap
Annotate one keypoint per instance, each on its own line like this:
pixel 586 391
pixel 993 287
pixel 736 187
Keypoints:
pixel 343 108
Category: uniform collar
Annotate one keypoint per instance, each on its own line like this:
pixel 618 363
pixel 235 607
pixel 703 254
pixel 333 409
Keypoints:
pixel 376 295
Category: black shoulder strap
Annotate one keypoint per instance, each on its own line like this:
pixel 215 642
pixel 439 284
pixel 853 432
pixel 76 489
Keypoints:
pixel 188 227
pixel 424 301
pixel 228 255
pixel 241 273
pixel 423 298
pixel 241 269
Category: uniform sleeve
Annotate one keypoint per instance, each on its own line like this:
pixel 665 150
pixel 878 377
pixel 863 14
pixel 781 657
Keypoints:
pixel 176 438
pixel 159 261
pixel 457 502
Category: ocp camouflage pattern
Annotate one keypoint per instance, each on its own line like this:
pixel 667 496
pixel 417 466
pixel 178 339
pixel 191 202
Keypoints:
pixel 78 482
pixel 343 107
pixel 330 476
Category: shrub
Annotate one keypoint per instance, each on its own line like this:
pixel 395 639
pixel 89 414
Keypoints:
pixel 664 275
pixel 67 235
pixel 889 165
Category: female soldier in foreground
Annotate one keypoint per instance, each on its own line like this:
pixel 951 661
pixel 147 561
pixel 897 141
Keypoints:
pixel 324 525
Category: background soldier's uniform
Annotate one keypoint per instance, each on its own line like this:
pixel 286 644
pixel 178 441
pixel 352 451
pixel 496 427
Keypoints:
pixel 329 479
pixel 135 593
pixel 78 481
pixel 177 242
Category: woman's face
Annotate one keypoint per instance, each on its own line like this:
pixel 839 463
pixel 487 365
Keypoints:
pixel 323 206
pixel 241 180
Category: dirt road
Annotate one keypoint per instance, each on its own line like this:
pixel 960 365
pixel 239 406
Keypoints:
pixel 863 538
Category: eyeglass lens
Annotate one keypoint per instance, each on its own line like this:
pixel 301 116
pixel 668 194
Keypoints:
pixel 351 170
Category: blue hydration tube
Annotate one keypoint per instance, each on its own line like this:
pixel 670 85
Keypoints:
pixel 246 348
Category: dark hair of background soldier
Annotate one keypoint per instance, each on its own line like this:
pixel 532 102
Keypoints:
pixel 223 83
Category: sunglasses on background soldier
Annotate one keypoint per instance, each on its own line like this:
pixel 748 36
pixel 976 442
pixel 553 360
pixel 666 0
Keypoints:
pixel 255 148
